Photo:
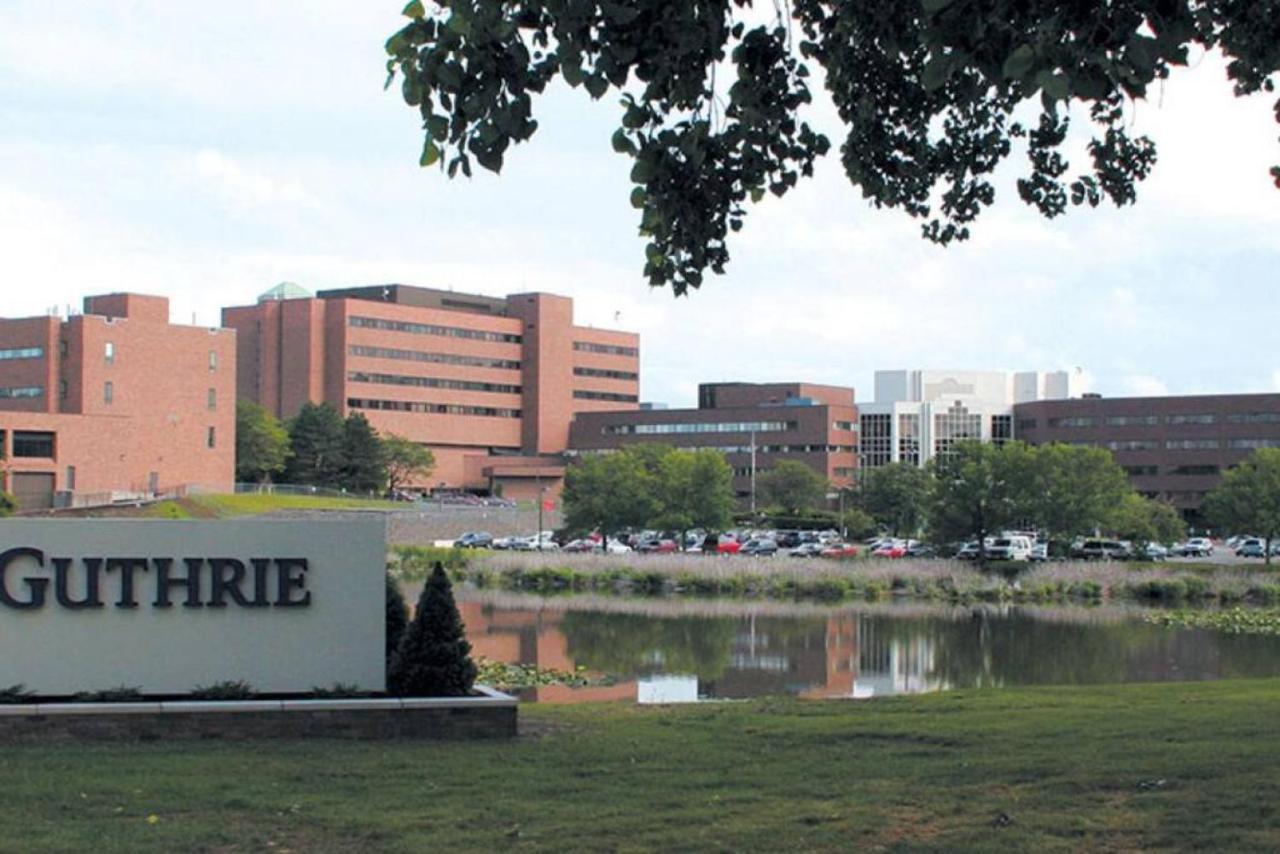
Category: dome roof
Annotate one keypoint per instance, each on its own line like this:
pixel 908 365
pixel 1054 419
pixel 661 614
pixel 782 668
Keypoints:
pixel 285 290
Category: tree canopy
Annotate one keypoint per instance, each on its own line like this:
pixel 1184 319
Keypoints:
pixel 406 461
pixel 262 443
pixel 931 92
pixel 894 495
pixel 791 486
pixel 1248 499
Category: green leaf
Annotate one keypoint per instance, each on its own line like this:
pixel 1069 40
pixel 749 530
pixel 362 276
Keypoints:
pixel 572 74
pixel 430 153
pixel 414 10
pixel 935 72
pixel 621 143
pixel 459 24
pixel 757 193
pixel 1055 85
pixel 638 197
pixel 1019 63
pixel 596 85
pixel 438 127
pixel 642 172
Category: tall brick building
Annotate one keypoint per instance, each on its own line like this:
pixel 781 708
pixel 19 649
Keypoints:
pixel 489 384
pixel 115 401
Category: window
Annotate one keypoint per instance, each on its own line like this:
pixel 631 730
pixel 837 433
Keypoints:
pixel 22 353
pixel 109 353
pixel 1001 429
pixel 1252 444
pixel 1027 424
pixel 606 349
pixel 843 425
pixel 438 358
pixel 213 360
pixel 1192 444
pixel 432 329
pixel 955 425
pixel 876 445
pixel 1132 420
pixel 1254 418
pixel 431 408
pixel 1074 421
pixel 1191 419
pixel 609 375
pixel 1132 445
pixel 70 485
pixel 605 395
pixel 62 389
pixel 30 443
pixel 1194 471
pixel 1141 471
pixel 909 439
pixel 431 382
pixel 711 427
pixel 211 439
pixel 14 392
pixel 844 471
pixel 213 399
pixel 108 392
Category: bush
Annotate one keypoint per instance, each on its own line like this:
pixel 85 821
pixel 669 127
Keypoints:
pixel 16 695
pixel 338 691
pixel 8 504
pixel 118 694
pixel 236 689
pixel 434 657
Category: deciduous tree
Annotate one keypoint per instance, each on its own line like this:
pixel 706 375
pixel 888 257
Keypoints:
pixel 895 496
pixel 1075 489
pixel 934 95
pixel 1248 499
pixel 792 486
pixel 407 461
pixel 607 492
pixel 262 443
pixel 976 492
pixel 1142 520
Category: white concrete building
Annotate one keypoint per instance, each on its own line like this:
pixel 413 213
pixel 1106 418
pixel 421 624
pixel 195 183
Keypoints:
pixel 918 414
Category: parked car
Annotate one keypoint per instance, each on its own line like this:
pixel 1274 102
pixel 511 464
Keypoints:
pixel 921 550
pixel 1252 548
pixel 1195 547
pixel 656 545
pixel 580 546
pixel 807 550
pixel 969 551
pixel 838 550
pixel 1039 552
pixel 1103 550
pixel 1155 551
pixel 504 543
pixel 474 540
pixel 759 547
pixel 890 549
pixel 616 547
pixel 1010 548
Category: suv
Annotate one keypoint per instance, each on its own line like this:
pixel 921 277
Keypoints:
pixel 1196 547
pixel 1010 548
pixel 761 547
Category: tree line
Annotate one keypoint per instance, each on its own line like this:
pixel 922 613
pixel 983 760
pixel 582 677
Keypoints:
pixel 318 447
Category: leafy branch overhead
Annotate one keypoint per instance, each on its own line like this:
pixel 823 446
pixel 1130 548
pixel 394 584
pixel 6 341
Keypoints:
pixel 927 89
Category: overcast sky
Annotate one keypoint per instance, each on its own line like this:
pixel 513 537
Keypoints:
pixel 209 151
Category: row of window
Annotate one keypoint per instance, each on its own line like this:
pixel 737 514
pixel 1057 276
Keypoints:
pixel 431 408
pixel 609 375
pixel 606 349
pixel 772 449
pixel 605 395
pixel 22 353
pixel 702 427
pixel 432 382
pixel 21 391
pixel 433 329
pixel 1076 421
pixel 436 358
pixel 31 443
pixel 1189 444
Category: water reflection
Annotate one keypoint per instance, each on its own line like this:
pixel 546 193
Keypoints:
pixel 675 652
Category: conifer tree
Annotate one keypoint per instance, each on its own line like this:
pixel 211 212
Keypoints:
pixel 434 657
pixel 316 435
pixel 365 465
pixel 397 619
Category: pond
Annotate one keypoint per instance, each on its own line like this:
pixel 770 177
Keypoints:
pixel 661 651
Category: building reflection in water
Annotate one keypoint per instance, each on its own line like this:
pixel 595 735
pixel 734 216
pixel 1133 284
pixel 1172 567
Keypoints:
pixel 832 656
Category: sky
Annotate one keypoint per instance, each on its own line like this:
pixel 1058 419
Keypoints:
pixel 208 151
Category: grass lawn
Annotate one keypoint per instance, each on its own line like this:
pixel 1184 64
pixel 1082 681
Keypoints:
pixel 1113 767
pixel 255 504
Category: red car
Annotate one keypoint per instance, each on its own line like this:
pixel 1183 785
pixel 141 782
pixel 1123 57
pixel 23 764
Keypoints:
pixel 892 551
pixel 656 546
pixel 839 551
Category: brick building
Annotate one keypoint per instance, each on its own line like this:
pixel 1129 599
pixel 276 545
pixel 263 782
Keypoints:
pixel 114 402
pixel 1173 448
pixel 489 384
pixel 753 424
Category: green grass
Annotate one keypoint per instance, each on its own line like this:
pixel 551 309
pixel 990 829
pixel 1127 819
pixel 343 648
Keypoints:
pixel 255 504
pixel 1113 767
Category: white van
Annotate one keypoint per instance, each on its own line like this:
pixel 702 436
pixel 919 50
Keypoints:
pixel 1016 547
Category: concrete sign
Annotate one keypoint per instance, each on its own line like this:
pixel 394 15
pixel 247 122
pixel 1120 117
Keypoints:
pixel 166 606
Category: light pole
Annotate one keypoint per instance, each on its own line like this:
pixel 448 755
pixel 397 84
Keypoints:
pixel 542 491
pixel 753 474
